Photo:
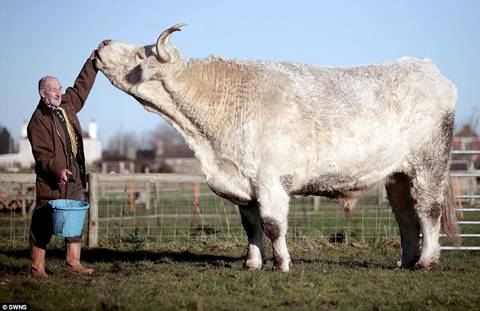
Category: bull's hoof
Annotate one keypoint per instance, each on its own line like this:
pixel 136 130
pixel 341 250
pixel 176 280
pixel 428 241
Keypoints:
pixel 252 265
pixel 426 265
pixel 407 263
pixel 283 266
pixel 399 263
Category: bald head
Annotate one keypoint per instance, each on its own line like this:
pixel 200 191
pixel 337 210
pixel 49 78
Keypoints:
pixel 50 90
pixel 43 81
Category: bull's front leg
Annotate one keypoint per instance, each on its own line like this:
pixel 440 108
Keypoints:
pixel 273 201
pixel 255 257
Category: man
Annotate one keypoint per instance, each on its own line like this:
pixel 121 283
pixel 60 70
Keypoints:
pixel 56 138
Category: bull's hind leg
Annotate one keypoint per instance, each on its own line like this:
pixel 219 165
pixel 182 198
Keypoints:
pixel 429 180
pixel 273 202
pixel 428 191
pixel 430 223
pixel 403 206
pixel 251 222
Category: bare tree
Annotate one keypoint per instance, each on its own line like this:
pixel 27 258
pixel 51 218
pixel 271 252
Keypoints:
pixel 170 141
pixel 167 133
pixel 123 143
pixel 474 119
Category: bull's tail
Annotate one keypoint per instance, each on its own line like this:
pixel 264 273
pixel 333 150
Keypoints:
pixel 449 217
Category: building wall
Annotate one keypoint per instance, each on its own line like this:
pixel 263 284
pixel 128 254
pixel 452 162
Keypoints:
pixel 25 154
pixel 6 141
pixel 183 165
pixel 24 157
pixel 93 150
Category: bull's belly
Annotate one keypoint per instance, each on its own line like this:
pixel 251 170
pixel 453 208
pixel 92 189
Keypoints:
pixel 342 179
pixel 233 188
pixel 332 186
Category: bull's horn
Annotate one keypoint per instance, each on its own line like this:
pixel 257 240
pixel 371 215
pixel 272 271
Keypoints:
pixel 163 51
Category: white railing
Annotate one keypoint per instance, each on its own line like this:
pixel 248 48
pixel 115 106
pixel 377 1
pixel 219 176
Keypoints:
pixel 472 197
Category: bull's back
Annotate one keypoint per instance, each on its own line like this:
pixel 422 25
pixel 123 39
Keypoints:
pixel 368 119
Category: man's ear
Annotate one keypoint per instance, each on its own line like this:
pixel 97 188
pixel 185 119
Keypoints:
pixel 42 93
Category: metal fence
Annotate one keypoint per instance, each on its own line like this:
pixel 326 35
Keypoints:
pixel 468 209
pixel 159 208
pixel 145 209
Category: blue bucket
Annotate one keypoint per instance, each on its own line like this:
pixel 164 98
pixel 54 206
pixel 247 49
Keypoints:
pixel 68 217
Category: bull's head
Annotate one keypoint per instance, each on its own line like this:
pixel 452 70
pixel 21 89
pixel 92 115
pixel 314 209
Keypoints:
pixel 139 70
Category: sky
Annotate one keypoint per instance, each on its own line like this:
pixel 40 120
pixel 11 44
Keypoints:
pixel 41 38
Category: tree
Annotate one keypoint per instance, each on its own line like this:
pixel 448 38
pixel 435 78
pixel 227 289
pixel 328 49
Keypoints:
pixel 168 142
pixel 123 144
pixel 474 119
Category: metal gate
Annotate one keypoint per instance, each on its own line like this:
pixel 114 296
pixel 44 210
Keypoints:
pixel 472 198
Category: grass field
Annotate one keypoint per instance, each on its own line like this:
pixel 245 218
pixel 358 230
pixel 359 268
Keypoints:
pixel 209 276
pixel 154 214
pixel 167 257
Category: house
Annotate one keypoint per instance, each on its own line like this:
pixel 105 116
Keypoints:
pixel 23 159
pixel 465 139
pixel 6 141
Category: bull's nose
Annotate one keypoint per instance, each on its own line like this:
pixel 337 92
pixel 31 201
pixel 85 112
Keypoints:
pixel 104 43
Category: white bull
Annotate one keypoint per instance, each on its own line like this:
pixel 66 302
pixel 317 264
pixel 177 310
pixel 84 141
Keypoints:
pixel 264 131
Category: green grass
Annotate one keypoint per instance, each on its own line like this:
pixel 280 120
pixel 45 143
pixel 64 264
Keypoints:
pixel 165 258
pixel 209 276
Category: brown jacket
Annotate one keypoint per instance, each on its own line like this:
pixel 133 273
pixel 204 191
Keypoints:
pixel 47 145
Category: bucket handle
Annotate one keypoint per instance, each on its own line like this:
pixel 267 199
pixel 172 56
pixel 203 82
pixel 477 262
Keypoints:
pixel 66 191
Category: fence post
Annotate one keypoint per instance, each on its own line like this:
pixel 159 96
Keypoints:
pixel 92 211
pixel 147 196
pixel 22 199
pixel 473 181
pixel 316 203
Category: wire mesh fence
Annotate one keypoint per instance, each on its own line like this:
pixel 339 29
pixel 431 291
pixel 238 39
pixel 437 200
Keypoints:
pixel 17 202
pixel 160 212
pixel 147 209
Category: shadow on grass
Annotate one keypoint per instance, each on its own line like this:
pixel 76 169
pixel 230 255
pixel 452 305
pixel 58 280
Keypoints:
pixel 115 256
pixel 11 269
pixel 347 263
pixel 109 255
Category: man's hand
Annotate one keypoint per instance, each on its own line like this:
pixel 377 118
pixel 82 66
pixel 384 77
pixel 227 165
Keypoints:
pixel 94 54
pixel 63 177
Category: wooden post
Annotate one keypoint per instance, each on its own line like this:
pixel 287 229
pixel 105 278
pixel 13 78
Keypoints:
pixel 458 191
pixel 147 196
pixel 92 211
pixel 131 196
pixel 316 204
pixel 22 199
pixel 473 181
pixel 381 194
pixel 196 201
pixel 157 202
pixel 196 204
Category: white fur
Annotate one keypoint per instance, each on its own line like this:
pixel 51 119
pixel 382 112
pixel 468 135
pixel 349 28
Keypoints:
pixel 250 123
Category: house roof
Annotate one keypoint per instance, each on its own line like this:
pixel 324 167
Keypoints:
pixel 466 131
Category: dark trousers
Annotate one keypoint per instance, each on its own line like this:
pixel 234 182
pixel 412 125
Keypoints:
pixel 41 228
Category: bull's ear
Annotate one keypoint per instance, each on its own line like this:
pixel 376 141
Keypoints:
pixel 165 50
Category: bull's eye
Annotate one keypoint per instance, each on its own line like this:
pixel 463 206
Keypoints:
pixel 140 56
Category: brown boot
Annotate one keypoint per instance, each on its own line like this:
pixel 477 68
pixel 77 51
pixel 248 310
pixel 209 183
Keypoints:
pixel 73 259
pixel 37 262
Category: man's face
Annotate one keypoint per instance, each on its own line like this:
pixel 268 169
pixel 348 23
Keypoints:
pixel 51 92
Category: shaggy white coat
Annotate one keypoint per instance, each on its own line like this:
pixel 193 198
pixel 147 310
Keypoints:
pixel 265 130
